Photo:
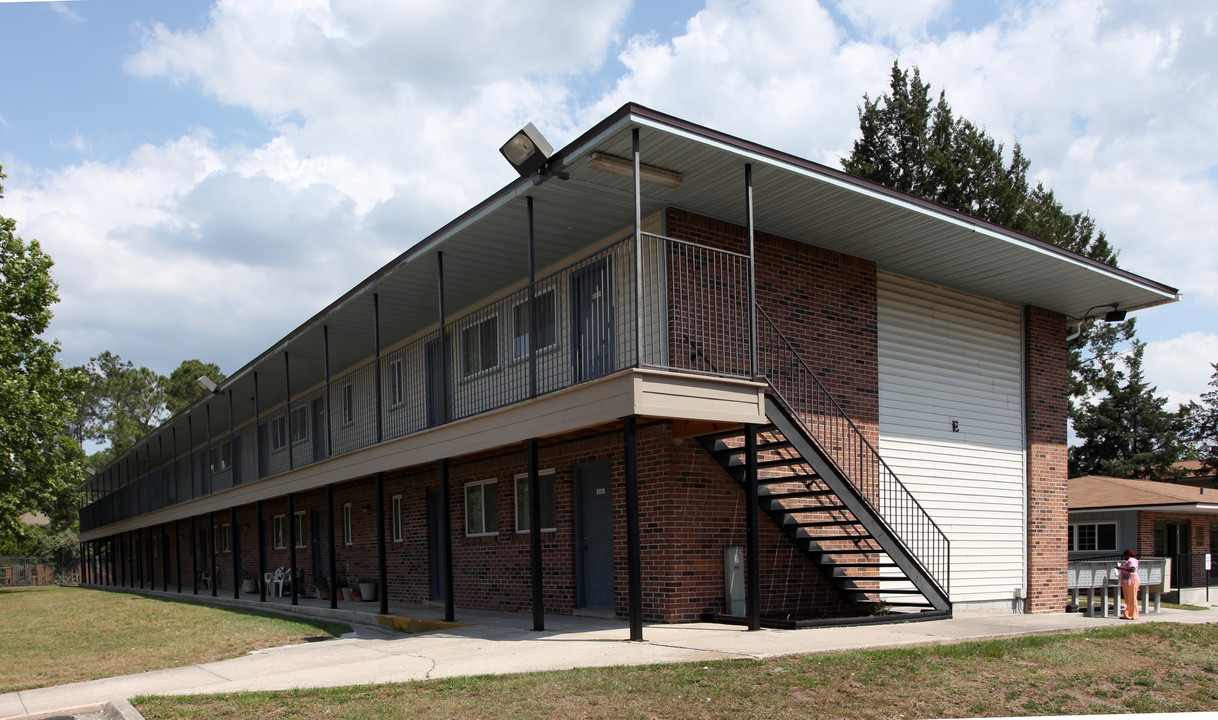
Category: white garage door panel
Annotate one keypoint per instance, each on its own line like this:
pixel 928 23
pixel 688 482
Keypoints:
pixel 943 356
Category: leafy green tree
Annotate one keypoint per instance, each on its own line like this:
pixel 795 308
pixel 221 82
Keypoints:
pixel 120 405
pixel 1202 420
pixel 1129 432
pixel 40 463
pixel 181 391
pixel 909 145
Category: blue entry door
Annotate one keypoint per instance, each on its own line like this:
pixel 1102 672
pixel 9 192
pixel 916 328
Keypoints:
pixel 594 534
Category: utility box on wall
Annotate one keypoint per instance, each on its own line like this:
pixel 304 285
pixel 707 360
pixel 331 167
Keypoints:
pixel 733 579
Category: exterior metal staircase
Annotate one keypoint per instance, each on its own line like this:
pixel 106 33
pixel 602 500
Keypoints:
pixel 823 483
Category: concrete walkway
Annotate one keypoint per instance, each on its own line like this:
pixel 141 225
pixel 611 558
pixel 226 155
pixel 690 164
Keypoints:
pixel 497 643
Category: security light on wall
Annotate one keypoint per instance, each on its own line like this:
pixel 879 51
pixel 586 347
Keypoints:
pixel 205 384
pixel 527 151
pixel 625 168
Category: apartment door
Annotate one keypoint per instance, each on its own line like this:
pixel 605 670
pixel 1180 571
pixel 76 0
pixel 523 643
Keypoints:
pixel 433 361
pixel 594 534
pixel 435 542
pixel 592 320
pixel 1173 539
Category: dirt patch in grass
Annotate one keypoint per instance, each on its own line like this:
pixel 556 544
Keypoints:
pixel 56 635
pixel 1156 667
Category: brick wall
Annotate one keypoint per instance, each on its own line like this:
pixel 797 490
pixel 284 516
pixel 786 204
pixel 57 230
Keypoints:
pixel 1046 389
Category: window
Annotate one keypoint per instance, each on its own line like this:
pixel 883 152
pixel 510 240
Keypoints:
pixel 300 424
pixel 480 346
pixel 279 432
pixel 545 481
pixel 397 518
pixel 221 457
pixel 347 539
pixel 397 388
pixel 280 532
pixel 547 332
pixel 1093 537
pixel 346 399
pixel 299 524
pixel 482 508
pixel 222 538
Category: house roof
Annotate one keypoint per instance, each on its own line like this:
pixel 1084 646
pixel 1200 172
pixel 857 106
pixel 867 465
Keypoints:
pixel 1098 492
pixel 576 205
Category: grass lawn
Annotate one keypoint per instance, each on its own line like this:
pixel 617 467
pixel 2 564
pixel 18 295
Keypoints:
pixel 55 635
pixel 1155 667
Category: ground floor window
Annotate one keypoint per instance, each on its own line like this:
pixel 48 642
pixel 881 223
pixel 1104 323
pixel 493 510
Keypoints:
pixel 545 481
pixel 397 518
pixel 347 539
pixel 222 537
pixel 280 532
pixel 299 528
pixel 482 508
pixel 1093 537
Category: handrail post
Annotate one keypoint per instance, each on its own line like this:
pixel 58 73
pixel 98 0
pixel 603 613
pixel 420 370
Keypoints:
pixel 748 214
pixel 638 253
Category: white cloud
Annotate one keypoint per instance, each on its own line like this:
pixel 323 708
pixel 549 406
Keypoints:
pixel 901 21
pixel 1180 367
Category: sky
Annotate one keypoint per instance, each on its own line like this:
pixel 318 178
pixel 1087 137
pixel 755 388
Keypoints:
pixel 207 176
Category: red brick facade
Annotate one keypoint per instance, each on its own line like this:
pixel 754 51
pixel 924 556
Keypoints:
pixel 1046 389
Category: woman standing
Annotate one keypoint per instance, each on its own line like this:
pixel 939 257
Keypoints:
pixel 1130 583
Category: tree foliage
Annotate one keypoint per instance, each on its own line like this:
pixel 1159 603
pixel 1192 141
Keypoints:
pixel 1128 432
pixel 924 150
pixel 40 463
pixel 181 391
pixel 1202 420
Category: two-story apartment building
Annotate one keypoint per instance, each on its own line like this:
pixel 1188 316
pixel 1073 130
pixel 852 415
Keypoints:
pixel 661 342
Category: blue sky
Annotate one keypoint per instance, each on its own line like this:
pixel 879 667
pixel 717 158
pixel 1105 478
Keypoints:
pixel 208 175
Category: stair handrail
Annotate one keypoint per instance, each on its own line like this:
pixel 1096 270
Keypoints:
pixel 912 526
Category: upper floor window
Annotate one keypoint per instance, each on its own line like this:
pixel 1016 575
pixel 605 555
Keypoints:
pixel 346 401
pixel 480 346
pixel 397 385
pixel 279 432
pixel 1093 537
pixel 300 424
pixel 547 331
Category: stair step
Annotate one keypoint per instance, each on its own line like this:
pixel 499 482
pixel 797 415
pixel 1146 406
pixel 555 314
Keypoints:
pixel 852 551
pixel 888 591
pixel 736 461
pixel 818 523
pixel 830 564
pixel 767 494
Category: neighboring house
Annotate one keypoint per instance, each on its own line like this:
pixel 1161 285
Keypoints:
pixel 1196 474
pixel 904 373
pixel 1109 515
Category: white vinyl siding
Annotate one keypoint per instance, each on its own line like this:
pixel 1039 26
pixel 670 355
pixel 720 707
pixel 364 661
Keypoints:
pixel 946 356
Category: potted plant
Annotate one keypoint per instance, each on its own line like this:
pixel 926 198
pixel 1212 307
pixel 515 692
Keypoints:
pixel 322 584
pixel 345 589
pixel 248 584
pixel 367 589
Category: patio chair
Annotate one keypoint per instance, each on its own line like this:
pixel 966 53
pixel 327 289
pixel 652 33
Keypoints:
pixel 277 579
pixel 205 579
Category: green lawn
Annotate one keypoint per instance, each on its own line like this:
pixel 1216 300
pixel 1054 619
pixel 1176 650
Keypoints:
pixel 56 635
pixel 1155 667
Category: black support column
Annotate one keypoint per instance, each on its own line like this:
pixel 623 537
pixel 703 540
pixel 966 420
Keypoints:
pixel 634 562
pixel 382 573
pixel 332 577
pixel 211 539
pixel 539 610
pixel 292 542
pixel 752 563
pixel 261 548
pixel 447 529
pixel 177 546
pixel 234 547
pixel 194 552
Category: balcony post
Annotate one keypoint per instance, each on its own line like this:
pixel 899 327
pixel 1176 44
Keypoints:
pixel 160 453
pixel 162 538
pixel 232 462
pixel 177 551
pixel 207 476
pixel 539 609
pixel 752 586
pixel 638 257
pixel 532 304
pixel 382 574
pixel 748 215
pixel 376 351
pixel 287 388
pixel 292 544
pixel 443 339
pixel 190 456
pixel 234 548
pixel 261 550
pixel 330 576
pixel 325 354
pixel 194 557
pixel 446 528
pixel 634 562
pixel 257 432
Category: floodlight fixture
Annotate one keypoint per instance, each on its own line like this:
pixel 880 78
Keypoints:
pixel 527 151
pixel 205 384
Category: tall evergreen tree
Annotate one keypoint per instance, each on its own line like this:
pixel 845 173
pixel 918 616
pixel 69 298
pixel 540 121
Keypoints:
pixel 926 151
pixel 180 389
pixel 1128 432
pixel 1203 424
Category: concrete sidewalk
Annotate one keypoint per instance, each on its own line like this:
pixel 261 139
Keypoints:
pixel 497 643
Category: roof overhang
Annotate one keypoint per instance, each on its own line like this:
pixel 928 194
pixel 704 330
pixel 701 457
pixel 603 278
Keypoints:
pixel 1195 508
